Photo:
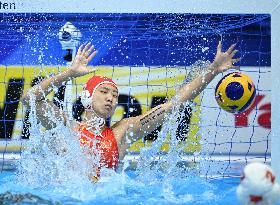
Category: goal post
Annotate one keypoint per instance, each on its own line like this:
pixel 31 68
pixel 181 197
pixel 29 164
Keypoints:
pixel 275 120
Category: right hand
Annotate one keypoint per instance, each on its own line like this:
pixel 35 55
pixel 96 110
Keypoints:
pixel 225 60
pixel 83 57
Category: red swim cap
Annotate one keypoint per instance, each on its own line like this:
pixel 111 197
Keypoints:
pixel 91 86
pixel 95 81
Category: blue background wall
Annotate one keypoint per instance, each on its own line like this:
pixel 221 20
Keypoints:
pixel 136 39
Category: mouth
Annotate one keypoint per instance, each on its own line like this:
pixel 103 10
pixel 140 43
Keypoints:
pixel 108 107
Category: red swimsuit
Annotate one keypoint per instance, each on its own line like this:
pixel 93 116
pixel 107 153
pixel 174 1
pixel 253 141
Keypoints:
pixel 106 145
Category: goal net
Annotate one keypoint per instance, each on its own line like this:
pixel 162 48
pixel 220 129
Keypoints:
pixel 149 56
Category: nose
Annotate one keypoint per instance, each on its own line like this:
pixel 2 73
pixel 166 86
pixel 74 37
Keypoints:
pixel 109 97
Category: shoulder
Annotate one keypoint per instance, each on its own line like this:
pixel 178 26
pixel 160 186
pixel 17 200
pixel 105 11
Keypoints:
pixel 119 129
pixel 122 124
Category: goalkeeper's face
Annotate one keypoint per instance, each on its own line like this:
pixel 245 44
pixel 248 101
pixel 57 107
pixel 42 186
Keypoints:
pixel 105 100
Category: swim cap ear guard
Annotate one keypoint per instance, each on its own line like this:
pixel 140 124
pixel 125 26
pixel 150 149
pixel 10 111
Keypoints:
pixel 86 99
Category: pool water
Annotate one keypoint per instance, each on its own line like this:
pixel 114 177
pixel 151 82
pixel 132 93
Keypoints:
pixel 53 170
pixel 123 188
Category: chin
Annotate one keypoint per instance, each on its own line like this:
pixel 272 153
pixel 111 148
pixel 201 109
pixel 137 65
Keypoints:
pixel 105 115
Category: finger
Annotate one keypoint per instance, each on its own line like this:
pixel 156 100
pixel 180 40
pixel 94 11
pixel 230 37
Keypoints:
pixel 92 56
pixel 233 53
pixel 230 49
pixel 219 48
pixel 86 48
pixel 92 70
pixel 235 60
pixel 89 50
pixel 80 49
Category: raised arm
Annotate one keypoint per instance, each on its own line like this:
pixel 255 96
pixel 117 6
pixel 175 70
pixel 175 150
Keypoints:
pixel 40 91
pixel 146 123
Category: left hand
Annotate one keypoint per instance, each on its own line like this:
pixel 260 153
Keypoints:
pixel 224 61
pixel 84 55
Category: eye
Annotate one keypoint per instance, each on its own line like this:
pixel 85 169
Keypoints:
pixel 103 91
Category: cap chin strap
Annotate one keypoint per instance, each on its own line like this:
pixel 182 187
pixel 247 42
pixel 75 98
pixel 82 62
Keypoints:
pixel 95 122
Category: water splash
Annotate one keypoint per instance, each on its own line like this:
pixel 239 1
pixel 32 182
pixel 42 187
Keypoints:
pixel 56 162
pixel 156 166
pixel 51 156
